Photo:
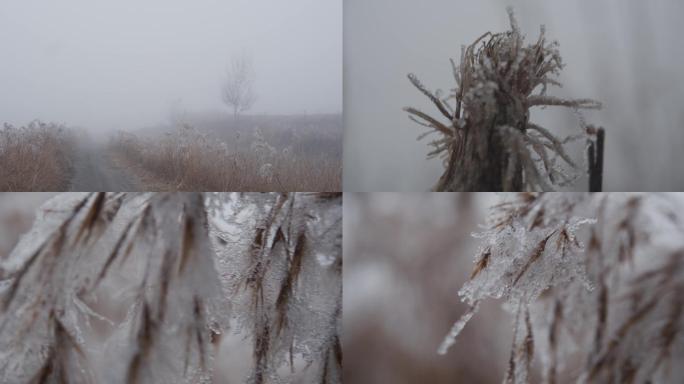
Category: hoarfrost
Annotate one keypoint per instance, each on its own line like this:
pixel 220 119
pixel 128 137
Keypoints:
pixel 116 287
pixel 613 307
pixel 487 139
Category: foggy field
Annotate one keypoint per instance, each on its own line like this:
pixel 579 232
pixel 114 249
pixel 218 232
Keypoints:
pixel 203 153
pixel 260 85
pixel 256 153
pixel 35 157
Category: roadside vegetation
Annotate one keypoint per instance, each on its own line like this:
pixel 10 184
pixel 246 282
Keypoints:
pixel 35 157
pixel 249 159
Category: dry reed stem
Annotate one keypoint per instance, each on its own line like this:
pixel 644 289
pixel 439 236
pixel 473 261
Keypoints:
pixel 35 157
pixel 189 161
pixel 488 142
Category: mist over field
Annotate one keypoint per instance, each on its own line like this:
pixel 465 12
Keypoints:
pixel 210 325
pixel 625 54
pixel 124 64
pixel 99 68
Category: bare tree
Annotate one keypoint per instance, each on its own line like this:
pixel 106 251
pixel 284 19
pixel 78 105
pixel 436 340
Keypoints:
pixel 238 89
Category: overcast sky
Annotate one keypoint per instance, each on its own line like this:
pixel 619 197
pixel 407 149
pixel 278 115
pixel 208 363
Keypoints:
pixel 624 53
pixel 123 64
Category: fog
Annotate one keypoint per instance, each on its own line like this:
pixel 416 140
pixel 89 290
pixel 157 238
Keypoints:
pixel 125 64
pixel 405 258
pixel 626 54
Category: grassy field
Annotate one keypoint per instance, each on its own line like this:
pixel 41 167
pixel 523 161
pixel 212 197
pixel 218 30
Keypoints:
pixel 256 153
pixel 35 157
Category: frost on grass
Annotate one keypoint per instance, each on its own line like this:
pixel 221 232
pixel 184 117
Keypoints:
pixel 139 288
pixel 484 133
pixel 594 283
pixel 279 289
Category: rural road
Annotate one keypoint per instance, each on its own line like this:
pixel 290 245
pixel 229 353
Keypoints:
pixel 94 172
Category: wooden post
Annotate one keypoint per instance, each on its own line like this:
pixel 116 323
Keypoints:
pixel 595 154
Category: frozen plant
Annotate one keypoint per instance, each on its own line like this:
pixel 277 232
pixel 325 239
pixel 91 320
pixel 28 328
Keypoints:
pixel 190 159
pixel 140 288
pixel 266 172
pixel 488 142
pixel 261 146
pixel 594 283
pixel 36 157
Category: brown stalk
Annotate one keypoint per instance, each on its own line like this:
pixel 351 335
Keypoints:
pixel 114 252
pixel 634 319
pixel 262 340
pixel 482 263
pixel 91 217
pixel 165 280
pixel 287 287
pixel 198 311
pixel 528 343
pixel 187 244
pixel 536 254
pixel 554 331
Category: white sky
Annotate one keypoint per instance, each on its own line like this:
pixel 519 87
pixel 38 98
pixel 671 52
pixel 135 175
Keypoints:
pixel 123 64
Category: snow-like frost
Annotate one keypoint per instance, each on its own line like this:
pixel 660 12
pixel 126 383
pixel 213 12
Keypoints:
pixel 595 280
pixel 293 300
pixel 114 287
pixel 487 140
pixel 458 326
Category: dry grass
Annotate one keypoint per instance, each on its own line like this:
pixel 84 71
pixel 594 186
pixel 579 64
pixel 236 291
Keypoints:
pixel 619 320
pixel 35 157
pixel 488 142
pixel 189 160
pixel 186 290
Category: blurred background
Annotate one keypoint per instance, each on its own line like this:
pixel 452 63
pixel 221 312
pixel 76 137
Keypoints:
pixel 624 53
pixel 128 65
pixel 405 258
pixel 17 212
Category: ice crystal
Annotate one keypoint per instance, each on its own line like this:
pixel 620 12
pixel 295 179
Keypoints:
pixel 140 287
pixel 616 301
pixel 277 288
pixel 488 141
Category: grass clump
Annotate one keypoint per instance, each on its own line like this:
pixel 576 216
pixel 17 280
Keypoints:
pixel 488 142
pixel 191 160
pixel 35 157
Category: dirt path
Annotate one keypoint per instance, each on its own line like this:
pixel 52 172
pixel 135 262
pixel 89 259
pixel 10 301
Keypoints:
pixel 94 171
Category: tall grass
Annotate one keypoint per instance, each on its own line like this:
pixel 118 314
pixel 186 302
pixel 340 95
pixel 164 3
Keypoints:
pixel 151 288
pixel 35 157
pixel 189 160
